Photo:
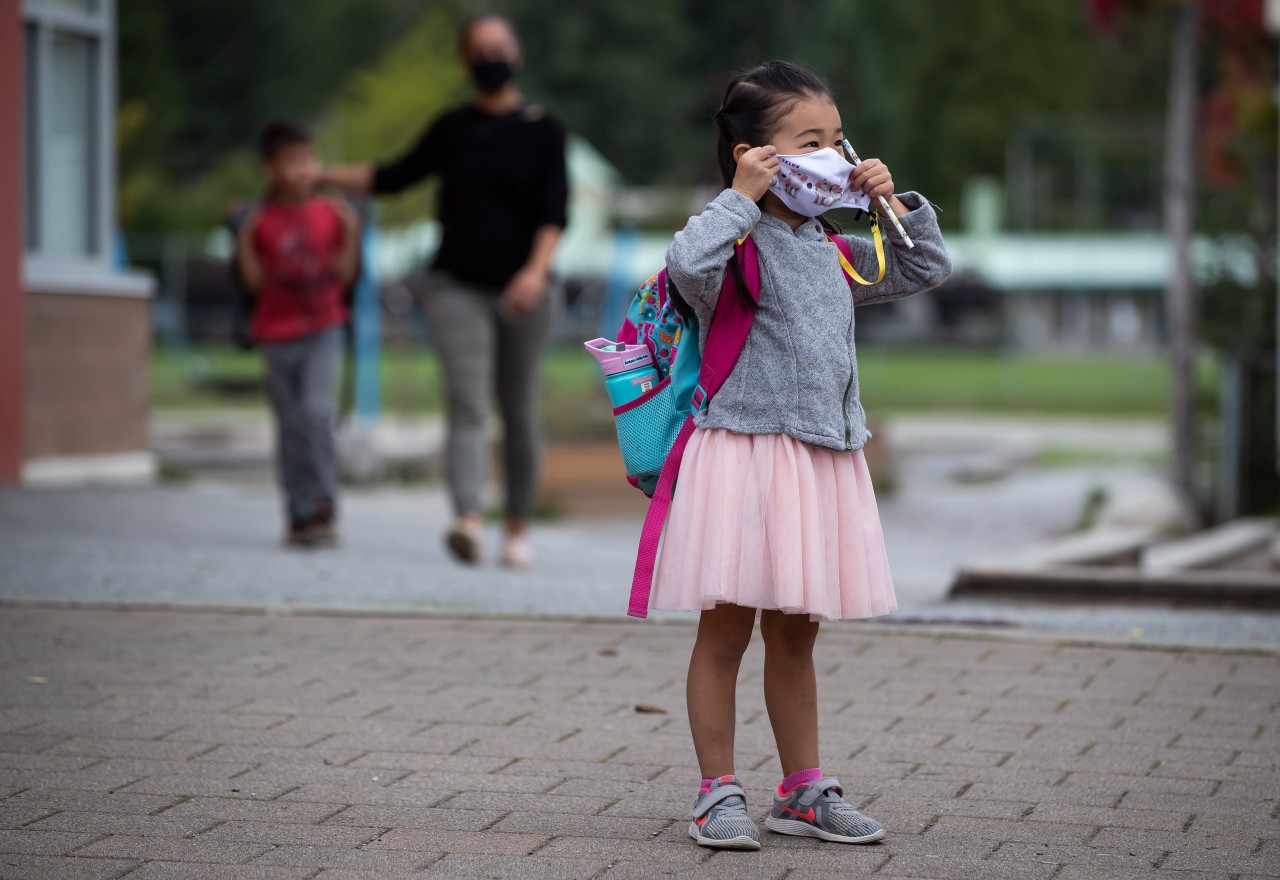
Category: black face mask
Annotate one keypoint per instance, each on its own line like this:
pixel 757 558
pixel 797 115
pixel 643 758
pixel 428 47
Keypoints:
pixel 489 76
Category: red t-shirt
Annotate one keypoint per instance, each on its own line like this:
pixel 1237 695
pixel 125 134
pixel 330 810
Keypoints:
pixel 300 292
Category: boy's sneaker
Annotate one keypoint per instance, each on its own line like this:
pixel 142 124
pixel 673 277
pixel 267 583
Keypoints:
pixel 818 809
pixel 720 817
pixel 324 527
pixel 324 533
pixel 298 534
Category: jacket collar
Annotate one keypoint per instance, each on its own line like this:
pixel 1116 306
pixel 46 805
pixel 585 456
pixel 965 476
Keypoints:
pixel 810 229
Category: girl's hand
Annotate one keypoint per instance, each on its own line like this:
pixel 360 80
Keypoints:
pixel 756 170
pixel 873 178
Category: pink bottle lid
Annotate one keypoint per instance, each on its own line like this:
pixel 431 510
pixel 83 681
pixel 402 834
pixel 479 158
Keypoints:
pixel 618 357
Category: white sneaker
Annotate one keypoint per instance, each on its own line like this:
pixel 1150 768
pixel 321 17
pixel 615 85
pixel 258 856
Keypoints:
pixel 463 540
pixel 517 552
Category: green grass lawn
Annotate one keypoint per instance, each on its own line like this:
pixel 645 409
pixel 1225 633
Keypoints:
pixel 1092 384
pixel 899 381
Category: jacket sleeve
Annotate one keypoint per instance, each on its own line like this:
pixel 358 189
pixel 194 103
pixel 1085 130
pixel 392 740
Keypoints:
pixel 697 257
pixel 907 270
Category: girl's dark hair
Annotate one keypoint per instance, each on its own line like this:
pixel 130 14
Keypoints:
pixel 754 102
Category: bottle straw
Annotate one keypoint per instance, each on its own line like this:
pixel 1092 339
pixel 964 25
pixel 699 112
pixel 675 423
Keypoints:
pixel 853 157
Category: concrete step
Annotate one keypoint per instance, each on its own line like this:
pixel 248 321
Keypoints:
pixel 1109 546
pixel 1219 547
pixel 1219 565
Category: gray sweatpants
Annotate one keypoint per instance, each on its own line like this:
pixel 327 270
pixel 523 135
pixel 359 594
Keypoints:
pixel 302 381
pixel 483 354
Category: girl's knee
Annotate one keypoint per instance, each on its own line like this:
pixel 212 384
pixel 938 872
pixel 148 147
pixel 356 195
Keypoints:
pixel 791 634
pixel 725 634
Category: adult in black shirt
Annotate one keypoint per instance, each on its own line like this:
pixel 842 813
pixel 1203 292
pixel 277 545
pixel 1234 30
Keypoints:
pixel 503 194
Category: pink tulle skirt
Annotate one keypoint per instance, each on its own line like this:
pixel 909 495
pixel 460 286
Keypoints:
pixel 768 521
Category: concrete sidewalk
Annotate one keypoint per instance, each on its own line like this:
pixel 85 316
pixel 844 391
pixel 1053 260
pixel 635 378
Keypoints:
pixel 191 745
pixel 217 545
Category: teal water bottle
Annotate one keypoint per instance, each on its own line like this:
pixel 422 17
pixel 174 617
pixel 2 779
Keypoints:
pixel 628 370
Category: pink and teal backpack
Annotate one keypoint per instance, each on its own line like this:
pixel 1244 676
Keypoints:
pixel 654 429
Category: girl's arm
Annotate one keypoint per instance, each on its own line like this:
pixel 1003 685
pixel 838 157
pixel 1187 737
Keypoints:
pixel 697 257
pixel 699 253
pixel 907 270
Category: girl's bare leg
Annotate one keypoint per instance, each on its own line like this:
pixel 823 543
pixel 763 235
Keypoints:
pixel 791 688
pixel 723 635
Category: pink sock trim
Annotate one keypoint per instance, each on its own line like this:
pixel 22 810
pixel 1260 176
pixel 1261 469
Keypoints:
pixel 706 785
pixel 800 777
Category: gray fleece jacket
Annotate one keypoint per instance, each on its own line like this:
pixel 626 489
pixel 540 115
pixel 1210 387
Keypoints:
pixel 798 373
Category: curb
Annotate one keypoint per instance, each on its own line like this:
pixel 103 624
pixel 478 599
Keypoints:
pixel 908 627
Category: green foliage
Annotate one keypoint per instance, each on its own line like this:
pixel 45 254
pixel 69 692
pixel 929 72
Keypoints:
pixel 933 88
pixel 618 74
pixel 383 109
pixel 199 78
pixel 975 70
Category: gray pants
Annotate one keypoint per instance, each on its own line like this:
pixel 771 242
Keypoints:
pixel 302 380
pixel 482 354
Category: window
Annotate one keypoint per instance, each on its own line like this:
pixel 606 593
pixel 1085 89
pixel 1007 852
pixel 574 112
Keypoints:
pixel 31 124
pixel 73 5
pixel 68 147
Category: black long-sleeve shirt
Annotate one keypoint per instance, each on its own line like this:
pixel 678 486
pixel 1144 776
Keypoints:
pixel 501 179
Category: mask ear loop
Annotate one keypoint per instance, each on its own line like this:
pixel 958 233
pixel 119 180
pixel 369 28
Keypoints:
pixel 879 241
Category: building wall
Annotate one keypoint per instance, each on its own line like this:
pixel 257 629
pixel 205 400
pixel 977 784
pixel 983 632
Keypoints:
pixel 86 381
pixel 82 321
pixel 11 293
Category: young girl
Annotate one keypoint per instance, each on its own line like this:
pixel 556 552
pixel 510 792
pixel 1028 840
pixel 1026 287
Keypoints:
pixel 774 514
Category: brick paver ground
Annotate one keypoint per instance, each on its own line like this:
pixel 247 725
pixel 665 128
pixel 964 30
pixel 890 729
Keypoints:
pixel 183 745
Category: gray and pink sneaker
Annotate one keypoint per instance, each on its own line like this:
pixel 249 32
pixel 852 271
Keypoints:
pixel 720 817
pixel 818 809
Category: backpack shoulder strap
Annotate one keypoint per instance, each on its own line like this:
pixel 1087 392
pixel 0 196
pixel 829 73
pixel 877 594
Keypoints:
pixel 730 324
pixel 654 521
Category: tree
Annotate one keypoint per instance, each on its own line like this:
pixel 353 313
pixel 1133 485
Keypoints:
pixel 1220 42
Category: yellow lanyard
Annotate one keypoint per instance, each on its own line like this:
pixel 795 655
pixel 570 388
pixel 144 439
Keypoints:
pixel 848 267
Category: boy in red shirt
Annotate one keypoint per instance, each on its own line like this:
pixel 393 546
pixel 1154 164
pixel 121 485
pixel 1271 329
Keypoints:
pixel 298 253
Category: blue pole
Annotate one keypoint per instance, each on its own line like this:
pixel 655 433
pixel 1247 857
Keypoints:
pixel 368 328
pixel 621 283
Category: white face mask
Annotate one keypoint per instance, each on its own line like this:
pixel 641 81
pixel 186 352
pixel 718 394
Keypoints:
pixel 814 183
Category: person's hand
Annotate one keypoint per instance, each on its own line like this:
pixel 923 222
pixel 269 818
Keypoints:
pixel 873 178
pixel 756 170
pixel 523 292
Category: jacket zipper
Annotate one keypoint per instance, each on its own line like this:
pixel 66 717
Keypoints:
pixel 844 402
